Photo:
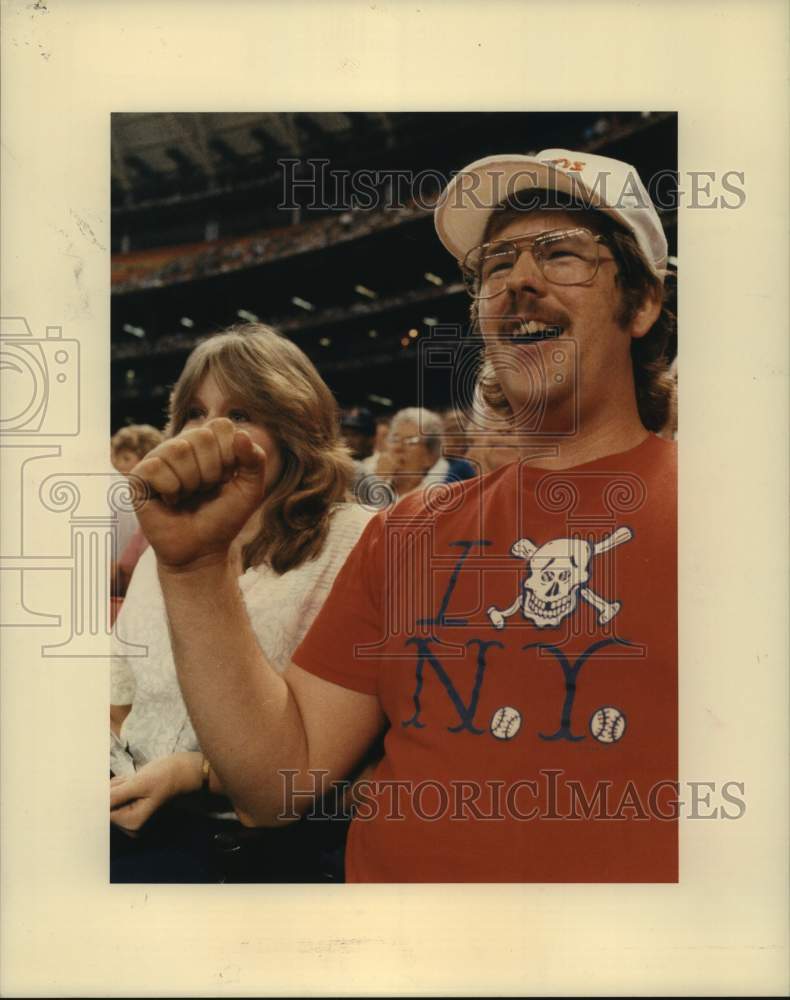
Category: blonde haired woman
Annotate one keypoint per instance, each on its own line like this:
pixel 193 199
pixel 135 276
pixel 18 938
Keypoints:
pixel 287 556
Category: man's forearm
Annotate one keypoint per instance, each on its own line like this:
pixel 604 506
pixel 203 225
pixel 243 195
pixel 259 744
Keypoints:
pixel 243 712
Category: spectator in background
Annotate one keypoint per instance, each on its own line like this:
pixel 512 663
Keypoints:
pixel 130 444
pixel 127 447
pixel 370 464
pixel 382 433
pixel 414 457
pixel 358 430
pixel 367 483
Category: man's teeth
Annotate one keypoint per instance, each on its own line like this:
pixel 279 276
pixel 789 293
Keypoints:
pixel 533 328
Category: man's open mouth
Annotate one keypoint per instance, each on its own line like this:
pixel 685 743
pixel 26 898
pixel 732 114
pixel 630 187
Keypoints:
pixel 529 333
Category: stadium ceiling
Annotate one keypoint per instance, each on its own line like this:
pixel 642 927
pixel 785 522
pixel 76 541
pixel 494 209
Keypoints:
pixel 160 154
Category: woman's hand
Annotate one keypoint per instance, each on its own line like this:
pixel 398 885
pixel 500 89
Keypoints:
pixel 134 799
pixel 199 490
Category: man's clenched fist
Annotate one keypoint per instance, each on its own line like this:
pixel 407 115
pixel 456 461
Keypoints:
pixel 197 491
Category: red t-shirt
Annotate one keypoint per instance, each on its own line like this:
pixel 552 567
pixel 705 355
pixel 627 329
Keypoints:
pixel 520 632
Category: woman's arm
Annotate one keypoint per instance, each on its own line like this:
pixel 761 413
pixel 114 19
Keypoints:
pixel 252 722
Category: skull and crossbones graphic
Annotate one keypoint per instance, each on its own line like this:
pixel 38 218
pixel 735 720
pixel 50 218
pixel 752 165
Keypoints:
pixel 557 577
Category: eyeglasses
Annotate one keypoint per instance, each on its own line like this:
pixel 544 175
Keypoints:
pixel 397 439
pixel 565 257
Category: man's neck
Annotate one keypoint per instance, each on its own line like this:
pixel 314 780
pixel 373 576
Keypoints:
pixel 608 430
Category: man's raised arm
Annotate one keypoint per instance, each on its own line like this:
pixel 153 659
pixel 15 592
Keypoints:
pixel 252 723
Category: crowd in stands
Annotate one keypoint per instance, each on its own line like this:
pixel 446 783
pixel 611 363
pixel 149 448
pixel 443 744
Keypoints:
pixel 164 266
pixel 417 448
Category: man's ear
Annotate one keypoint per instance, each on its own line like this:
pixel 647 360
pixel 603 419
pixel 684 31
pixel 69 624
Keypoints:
pixel 646 315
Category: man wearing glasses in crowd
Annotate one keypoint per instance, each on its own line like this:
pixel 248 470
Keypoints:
pixel 513 640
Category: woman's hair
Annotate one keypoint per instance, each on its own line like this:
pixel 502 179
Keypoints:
pixel 429 424
pixel 654 386
pixel 139 438
pixel 273 379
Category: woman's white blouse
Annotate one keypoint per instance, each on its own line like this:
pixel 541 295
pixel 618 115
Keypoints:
pixel 281 609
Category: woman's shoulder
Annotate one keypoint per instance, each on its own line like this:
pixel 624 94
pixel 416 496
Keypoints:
pixel 351 516
pixel 347 523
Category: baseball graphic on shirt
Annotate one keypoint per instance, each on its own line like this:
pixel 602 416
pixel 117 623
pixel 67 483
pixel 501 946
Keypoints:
pixel 607 724
pixel 505 722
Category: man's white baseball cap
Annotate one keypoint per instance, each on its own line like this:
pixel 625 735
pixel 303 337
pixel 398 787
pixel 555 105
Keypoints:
pixel 613 187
